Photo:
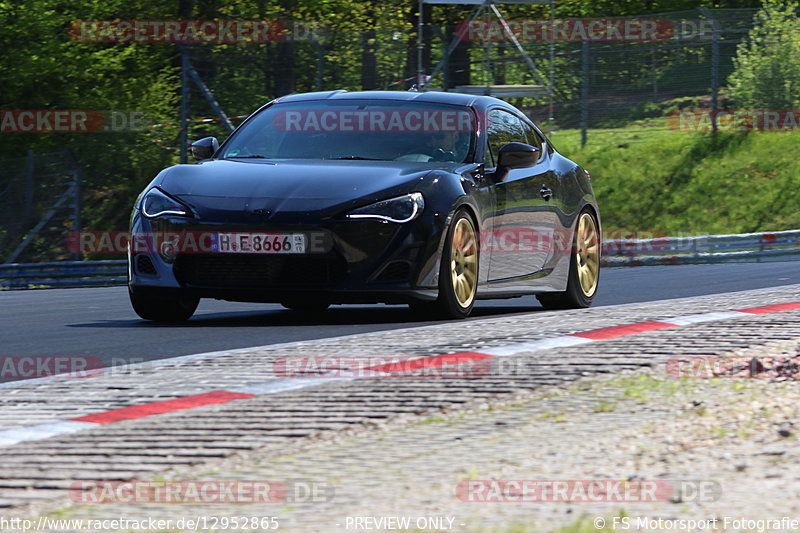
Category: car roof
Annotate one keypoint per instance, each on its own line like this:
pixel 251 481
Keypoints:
pixel 438 97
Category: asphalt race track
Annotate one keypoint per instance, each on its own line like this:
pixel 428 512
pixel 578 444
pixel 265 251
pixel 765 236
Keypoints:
pixel 100 322
pixel 390 421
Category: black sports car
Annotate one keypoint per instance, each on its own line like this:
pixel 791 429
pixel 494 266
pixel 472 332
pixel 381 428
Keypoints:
pixel 430 199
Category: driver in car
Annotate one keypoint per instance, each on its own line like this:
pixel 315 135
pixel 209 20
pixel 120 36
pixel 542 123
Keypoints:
pixel 446 143
pixel 436 146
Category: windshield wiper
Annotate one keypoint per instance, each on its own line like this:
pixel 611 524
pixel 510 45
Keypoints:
pixel 247 157
pixel 354 158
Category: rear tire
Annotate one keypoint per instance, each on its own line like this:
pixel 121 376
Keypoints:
pixel 162 305
pixel 584 268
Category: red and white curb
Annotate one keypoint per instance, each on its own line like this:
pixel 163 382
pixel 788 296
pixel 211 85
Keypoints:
pixel 61 427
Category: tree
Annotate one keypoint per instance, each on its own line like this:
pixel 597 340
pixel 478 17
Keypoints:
pixel 767 65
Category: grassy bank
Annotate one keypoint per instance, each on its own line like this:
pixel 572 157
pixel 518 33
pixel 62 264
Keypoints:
pixel 650 178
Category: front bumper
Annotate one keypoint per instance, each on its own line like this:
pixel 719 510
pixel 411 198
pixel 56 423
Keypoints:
pixel 354 261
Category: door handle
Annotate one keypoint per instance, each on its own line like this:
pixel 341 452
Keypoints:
pixel 546 193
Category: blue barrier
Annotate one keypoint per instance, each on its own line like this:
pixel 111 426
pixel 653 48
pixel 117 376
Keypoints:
pixel 703 249
pixel 63 274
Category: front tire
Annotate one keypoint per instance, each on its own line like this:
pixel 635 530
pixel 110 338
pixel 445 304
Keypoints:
pixel 584 268
pixel 162 305
pixel 458 271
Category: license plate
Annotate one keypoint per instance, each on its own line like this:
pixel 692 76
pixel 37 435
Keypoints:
pixel 261 243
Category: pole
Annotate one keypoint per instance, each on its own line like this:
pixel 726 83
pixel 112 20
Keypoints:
pixel 584 91
pixel 29 178
pixel 320 62
pixel 655 74
pixel 714 66
pixel 184 120
pixel 420 48
pixel 550 116
pixel 714 74
pixel 486 64
pixel 77 178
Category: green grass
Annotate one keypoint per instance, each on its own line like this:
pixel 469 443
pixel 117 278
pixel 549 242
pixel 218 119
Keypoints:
pixel 434 420
pixel 603 407
pixel 642 388
pixel 648 177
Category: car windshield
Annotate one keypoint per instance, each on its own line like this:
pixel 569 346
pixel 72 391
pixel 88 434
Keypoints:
pixel 385 130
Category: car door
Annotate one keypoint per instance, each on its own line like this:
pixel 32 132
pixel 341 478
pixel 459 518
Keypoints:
pixel 559 236
pixel 522 235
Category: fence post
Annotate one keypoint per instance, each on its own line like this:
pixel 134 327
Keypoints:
pixel 584 91
pixel 420 47
pixel 714 73
pixel 183 137
pixel 77 178
pixel 320 53
pixel 30 162
pixel 76 210
pixel 655 73
pixel 714 66
pixel 551 79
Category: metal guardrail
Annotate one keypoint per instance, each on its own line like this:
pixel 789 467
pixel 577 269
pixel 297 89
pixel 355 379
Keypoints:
pixel 704 249
pixel 63 274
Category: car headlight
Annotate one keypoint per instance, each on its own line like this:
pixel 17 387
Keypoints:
pixel 400 209
pixel 157 203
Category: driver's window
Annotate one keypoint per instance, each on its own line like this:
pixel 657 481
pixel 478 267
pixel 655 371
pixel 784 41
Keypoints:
pixel 503 128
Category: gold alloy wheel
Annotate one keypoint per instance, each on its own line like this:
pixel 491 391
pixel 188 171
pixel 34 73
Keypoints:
pixel 587 254
pixel 464 262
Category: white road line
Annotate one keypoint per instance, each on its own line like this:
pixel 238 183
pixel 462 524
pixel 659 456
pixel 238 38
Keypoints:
pixel 544 344
pixel 42 431
pixel 283 385
pixel 704 317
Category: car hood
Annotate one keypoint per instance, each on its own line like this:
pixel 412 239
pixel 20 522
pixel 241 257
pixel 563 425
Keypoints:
pixel 224 190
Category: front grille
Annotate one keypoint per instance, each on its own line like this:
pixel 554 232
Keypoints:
pixel 144 265
pixel 259 271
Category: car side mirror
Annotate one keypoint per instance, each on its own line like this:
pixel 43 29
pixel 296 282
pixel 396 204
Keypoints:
pixel 205 148
pixel 517 155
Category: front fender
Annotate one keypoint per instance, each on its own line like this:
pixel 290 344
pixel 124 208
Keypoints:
pixel 456 192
